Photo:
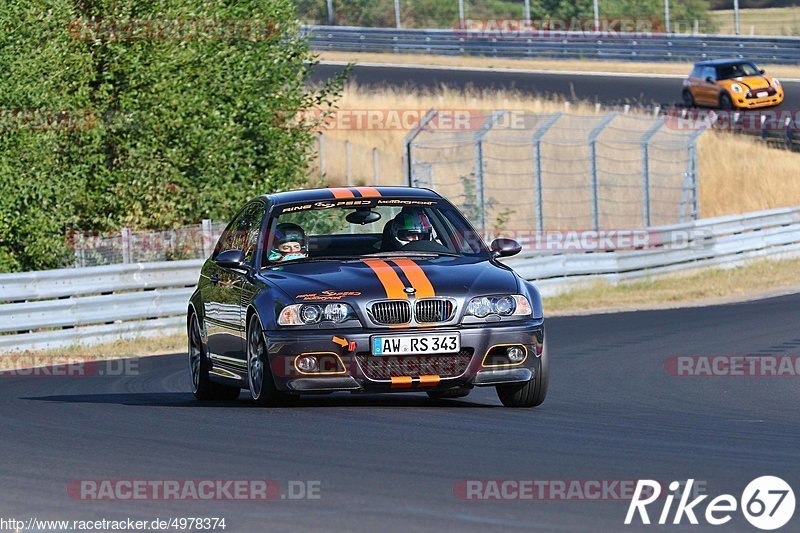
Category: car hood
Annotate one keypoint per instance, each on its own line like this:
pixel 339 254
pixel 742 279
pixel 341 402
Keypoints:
pixel 750 82
pixel 369 279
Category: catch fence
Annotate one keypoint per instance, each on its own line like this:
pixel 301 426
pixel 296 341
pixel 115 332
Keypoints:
pixel 539 172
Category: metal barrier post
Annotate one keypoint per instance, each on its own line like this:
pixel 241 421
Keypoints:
pixel 208 238
pixel 408 141
pixel 593 181
pixel 690 181
pixel 646 170
pixel 480 189
pixel 126 245
pixel 537 166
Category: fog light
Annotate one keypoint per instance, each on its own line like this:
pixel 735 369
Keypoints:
pixel 307 363
pixel 515 354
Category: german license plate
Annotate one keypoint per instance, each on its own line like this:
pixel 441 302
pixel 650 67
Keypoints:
pixel 416 344
pixel 762 94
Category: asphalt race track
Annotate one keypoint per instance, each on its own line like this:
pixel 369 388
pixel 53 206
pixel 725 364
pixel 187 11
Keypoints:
pixel 390 463
pixel 612 90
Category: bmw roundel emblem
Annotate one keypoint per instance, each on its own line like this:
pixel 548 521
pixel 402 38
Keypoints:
pixel 410 290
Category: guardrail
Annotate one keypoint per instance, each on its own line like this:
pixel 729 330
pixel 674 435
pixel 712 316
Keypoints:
pixel 724 241
pixel 557 45
pixel 57 308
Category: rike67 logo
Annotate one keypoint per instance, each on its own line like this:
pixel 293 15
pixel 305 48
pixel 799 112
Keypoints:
pixel 767 503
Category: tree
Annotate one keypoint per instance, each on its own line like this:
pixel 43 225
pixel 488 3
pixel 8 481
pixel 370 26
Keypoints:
pixel 145 113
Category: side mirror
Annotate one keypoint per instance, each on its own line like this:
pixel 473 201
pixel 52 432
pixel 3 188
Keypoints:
pixel 709 79
pixel 231 259
pixel 505 247
pixel 762 71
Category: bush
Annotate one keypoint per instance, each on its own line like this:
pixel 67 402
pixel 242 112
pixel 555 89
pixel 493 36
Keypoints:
pixel 143 132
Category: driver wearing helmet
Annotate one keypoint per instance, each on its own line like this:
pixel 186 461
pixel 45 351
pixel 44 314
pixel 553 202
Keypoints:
pixel 290 243
pixel 411 225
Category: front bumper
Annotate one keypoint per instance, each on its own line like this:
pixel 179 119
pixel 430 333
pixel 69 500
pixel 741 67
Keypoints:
pixel 355 369
pixel 741 102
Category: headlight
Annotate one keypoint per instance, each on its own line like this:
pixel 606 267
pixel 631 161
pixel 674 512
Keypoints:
pixel 307 314
pixel 776 82
pixel 512 305
pixel 736 88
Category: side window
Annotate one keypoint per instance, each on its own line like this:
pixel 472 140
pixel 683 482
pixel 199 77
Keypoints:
pixel 250 229
pixel 695 72
pixel 709 72
pixel 242 233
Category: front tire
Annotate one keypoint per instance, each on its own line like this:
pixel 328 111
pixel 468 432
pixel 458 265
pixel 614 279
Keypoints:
pixel 725 102
pixel 529 393
pixel 202 386
pixel 688 98
pixel 259 373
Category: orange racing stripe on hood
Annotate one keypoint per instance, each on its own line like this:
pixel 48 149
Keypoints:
pixel 389 279
pixel 419 280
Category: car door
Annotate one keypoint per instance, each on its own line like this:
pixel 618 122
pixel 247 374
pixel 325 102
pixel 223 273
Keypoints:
pixel 708 91
pixel 693 83
pixel 222 294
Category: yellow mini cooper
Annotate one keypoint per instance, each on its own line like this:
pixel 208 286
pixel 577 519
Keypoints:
pixel 731 84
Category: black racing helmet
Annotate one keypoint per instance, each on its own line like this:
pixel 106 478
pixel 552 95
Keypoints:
pixel 290 232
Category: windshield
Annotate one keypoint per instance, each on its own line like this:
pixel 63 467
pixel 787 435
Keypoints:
pixel 375 227
pixel 737 70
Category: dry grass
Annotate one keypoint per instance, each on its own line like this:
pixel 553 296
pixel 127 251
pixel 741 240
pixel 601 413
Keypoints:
pixel 762 21
pixel 740 174
pixel 708 286
pixel 141 347
pixel 555 65
pixel 737 173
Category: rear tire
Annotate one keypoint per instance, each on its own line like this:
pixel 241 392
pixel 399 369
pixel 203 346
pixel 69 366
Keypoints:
pixel 259 373
pixel 688 98
pixel 202 386
pixel 725 102
pixel 449 394
pixel 529 393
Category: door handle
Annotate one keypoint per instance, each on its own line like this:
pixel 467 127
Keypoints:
pixel 214 279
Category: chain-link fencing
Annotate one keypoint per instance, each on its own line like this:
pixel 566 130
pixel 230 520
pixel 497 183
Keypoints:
pixel 541 172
